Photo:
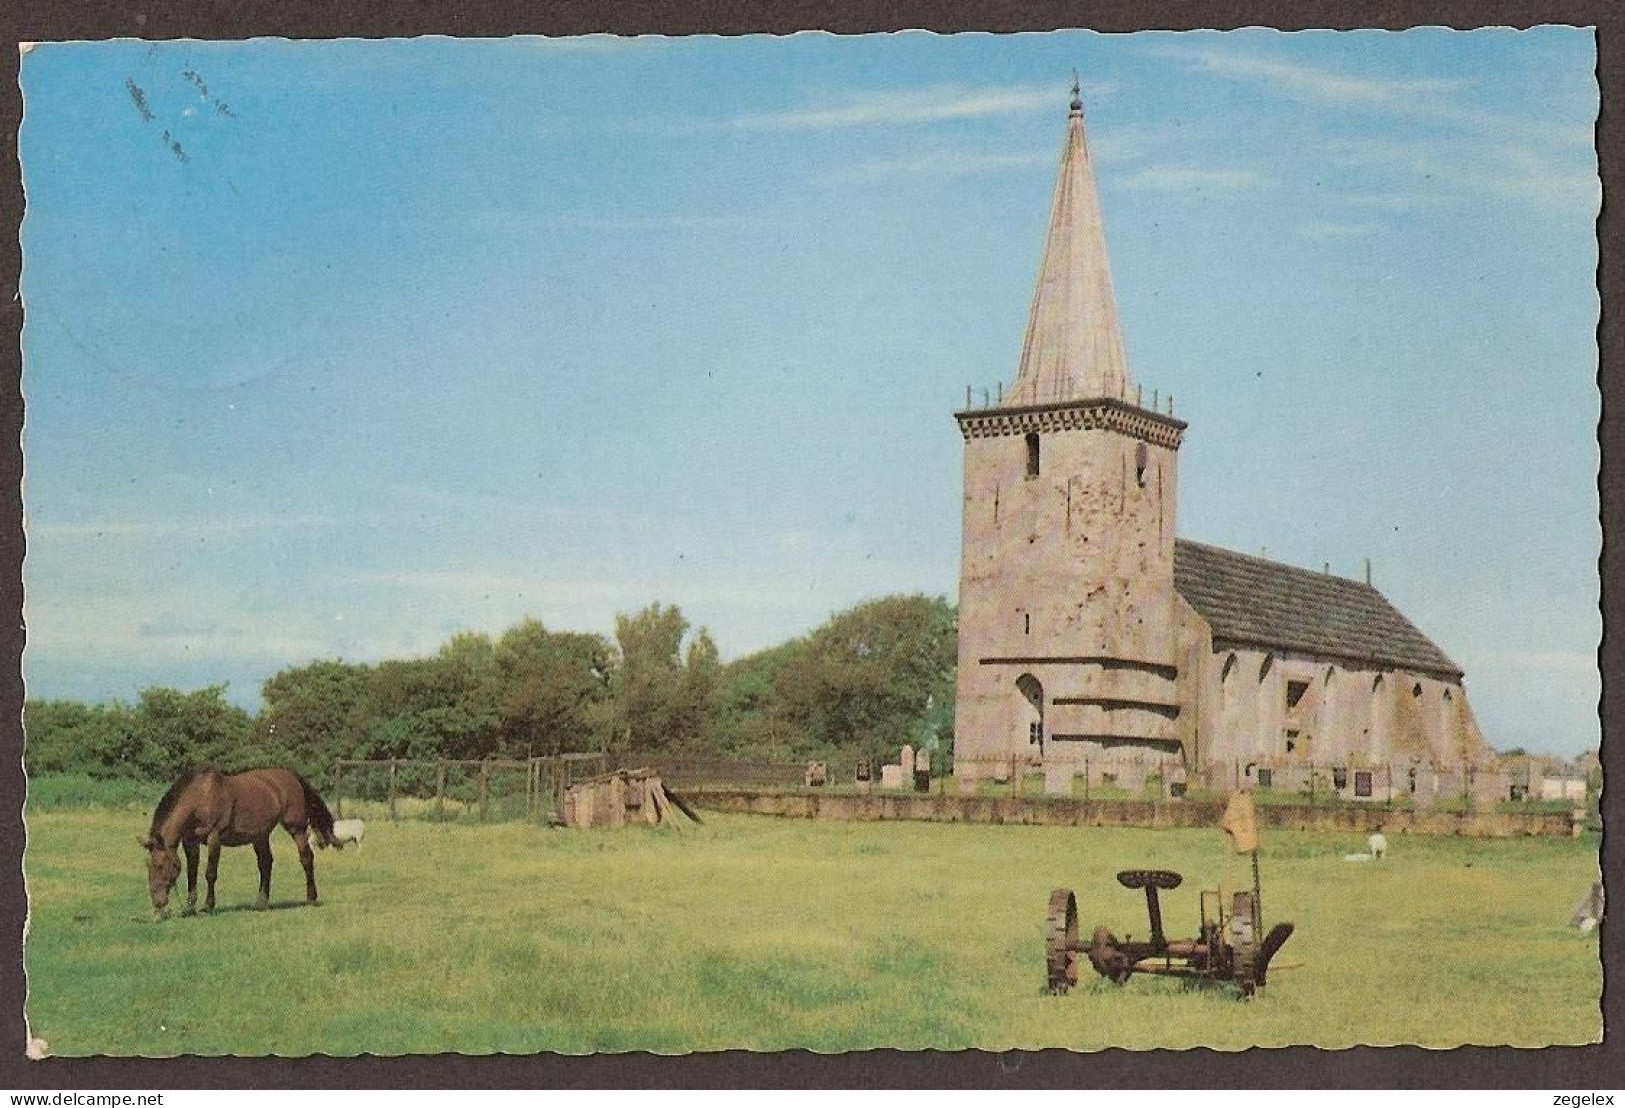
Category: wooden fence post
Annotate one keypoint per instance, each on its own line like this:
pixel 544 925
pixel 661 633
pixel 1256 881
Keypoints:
pixel 440 789
pixel 338 786
pixel 392 790
pixel 485 786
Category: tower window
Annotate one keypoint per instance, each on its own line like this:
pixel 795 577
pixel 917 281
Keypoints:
pixel 1295 691
pixel 1141 459
pixel 1032 453
pixel 1026 623
pixel 1029 688
pixel 1416 689
pixel 1265 666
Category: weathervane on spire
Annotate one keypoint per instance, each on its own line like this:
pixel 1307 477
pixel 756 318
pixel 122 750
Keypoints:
pixel 1077 91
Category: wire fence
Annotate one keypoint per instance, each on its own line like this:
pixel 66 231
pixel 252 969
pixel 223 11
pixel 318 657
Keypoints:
pixel 443 790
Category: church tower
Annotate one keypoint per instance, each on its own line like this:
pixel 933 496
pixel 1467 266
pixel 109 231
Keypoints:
pixel 1067 621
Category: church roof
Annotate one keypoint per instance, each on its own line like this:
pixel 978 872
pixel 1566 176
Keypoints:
pixel 1074 346
pixel 1254 602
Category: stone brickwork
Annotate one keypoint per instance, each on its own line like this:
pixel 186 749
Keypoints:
pixel 1087 633
pixel 1066 594
pixel 1061 812
pixel 1254 703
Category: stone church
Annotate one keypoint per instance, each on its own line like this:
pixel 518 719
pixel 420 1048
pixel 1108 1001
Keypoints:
pixel 1089 631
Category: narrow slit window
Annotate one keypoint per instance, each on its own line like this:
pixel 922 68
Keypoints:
pixel 1032 453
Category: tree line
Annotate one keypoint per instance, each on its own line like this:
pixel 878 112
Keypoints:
pixel 870 679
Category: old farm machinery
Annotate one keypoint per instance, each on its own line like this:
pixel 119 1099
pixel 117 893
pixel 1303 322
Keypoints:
pixel 1230 944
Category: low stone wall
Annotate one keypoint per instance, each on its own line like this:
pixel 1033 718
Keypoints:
pixel 1064 812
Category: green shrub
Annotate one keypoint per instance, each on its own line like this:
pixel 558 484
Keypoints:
pixel 54 791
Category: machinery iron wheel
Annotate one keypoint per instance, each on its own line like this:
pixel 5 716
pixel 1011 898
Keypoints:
pixel 1060 936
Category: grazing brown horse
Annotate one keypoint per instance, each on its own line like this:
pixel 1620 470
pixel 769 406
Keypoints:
pixel 208 807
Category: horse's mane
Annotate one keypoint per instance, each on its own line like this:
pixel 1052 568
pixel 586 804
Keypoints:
pixel 167 803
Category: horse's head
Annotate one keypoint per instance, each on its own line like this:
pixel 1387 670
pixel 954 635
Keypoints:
pixel 163 868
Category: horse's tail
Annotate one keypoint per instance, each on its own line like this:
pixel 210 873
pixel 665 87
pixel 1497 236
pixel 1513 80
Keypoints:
pixel 320 818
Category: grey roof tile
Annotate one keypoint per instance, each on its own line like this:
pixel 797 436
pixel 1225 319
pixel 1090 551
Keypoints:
pixel 1257 602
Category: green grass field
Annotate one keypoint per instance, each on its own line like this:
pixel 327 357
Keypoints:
pixel 769 934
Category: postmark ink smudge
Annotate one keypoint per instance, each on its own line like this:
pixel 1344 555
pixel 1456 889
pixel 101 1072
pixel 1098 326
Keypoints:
pixel 175 147
pixel 139 98
pixel 220 106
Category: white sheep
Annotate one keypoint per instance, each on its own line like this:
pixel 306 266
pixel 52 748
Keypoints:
pixel 349 831
pixel 1588 913
pixel 1377 844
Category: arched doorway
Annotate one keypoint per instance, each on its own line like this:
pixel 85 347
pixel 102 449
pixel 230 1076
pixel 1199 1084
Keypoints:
pixel 1033 693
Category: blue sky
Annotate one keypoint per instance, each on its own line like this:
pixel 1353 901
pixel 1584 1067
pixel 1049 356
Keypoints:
pixel 333 349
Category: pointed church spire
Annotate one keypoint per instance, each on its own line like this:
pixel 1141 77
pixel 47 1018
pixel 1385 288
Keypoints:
pixel 1074 346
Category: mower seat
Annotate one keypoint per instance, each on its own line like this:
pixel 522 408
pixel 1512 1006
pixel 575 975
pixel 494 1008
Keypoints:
pixel 1149 878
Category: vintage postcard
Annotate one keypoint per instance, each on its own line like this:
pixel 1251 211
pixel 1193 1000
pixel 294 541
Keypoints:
pixel 920 541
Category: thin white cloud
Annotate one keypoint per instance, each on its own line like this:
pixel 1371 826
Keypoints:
pixel 1126 142
pixel 945 164
pixel 165 528
pixel 1391 200
pixel 469 587
pixel 1574 663
pixel 1327 229
pixel 1176 178
pixel 922 105
pixel 409 500
pixel 110 631
pixel 1321 86
pixel 1506 169
pixel 1419 97
pixel 667 222
pixel 169 625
